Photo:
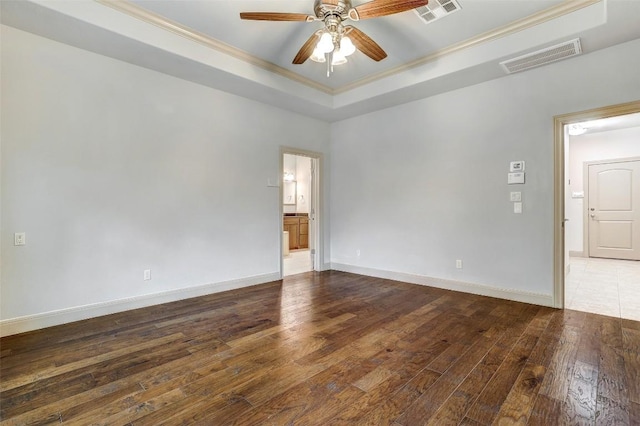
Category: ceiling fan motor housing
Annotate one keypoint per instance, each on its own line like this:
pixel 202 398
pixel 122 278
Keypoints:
pixel 324 8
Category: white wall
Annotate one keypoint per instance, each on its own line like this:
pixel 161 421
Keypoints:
pixel 300 167
pixel 111 169
pixel 289 166
pixel 417 186
pixel 609 145
pixel 303 187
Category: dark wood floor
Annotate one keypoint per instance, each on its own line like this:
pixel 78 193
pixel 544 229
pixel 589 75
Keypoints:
pixel 327 348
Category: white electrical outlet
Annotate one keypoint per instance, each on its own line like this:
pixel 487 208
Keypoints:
pixel 516 196
pixel 459 264
pixel 19 239
pixel 147 274
pixel 358 253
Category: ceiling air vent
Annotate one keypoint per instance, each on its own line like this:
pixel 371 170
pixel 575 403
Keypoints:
pixel 542 57
pixel 437 9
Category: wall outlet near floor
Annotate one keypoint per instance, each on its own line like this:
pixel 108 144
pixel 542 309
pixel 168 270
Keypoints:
pixel 458 264
pixel 147 274
pixel 358 253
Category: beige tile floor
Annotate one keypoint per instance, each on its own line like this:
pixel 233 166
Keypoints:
pixel 297 262
pixel 604 286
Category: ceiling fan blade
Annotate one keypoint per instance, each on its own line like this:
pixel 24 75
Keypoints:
pixel 376 8
pixel 306 50
pixel 366 45
pixel 275 16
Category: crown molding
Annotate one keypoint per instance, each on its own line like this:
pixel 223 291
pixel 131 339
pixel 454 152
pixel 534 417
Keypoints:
pixel 541 17
pixel 160 21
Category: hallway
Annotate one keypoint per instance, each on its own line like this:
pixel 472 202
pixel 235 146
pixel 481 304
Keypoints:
pixel 604 286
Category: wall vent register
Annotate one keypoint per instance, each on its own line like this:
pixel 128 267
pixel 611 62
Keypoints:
pixel 545 56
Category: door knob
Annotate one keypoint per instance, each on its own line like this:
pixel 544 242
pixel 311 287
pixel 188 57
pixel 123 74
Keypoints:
pixel 593 215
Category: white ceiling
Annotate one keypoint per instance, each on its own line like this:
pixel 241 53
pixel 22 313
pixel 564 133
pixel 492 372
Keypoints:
pixel 205 41
pixel 612 123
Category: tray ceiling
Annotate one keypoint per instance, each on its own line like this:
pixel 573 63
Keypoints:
pixel 206 42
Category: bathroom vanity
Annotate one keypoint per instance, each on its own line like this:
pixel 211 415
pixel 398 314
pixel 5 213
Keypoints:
pixel 298 227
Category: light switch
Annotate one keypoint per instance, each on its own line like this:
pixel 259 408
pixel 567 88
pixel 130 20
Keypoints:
pixel 517 208
pixel 516 196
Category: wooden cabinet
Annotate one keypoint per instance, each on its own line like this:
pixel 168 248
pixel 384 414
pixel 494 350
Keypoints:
pixel 304 232
pixel 292 225
pixel 298 228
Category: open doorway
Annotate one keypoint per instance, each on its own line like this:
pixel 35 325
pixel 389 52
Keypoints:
pixel 596 173
pixel 300 197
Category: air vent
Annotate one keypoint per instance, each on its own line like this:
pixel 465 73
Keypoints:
pixel 437 9
pixel 543 57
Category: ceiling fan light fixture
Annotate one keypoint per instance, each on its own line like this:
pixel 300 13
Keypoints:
pixel 325 45
pixel 318 56
pixel 576 129
pixel 338 58
pixel 346 46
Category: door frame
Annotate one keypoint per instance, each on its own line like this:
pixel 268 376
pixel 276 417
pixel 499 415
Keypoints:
pixel 585 210
pixel 316 226
pixel 559 179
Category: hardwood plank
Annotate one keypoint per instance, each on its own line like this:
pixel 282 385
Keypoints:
pixel 546 411
pixel 589 343
pixel 327 348
pixel 387 411
pixel 488 404
pixel 14 405
pixel 581 397
pixel 631 355
pixel 24 379
pixel 612 383
pixel 611 413
pixel 454 409
pixel 517 407
pixel 634 413
pixel 556 381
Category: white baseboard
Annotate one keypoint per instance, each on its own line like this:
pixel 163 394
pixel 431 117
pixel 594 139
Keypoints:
pixel 483 290
pixel 47 319
pixel 325 267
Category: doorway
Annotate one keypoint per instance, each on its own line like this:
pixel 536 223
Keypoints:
pixel 572 257
pixel 300 207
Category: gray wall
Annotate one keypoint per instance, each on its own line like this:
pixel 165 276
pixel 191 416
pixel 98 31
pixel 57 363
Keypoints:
pixel 112 169
pixel 417 186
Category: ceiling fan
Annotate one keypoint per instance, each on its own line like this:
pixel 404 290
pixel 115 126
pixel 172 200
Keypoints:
pixel 333 43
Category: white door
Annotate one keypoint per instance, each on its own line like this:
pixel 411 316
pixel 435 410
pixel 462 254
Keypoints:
pixel 614 210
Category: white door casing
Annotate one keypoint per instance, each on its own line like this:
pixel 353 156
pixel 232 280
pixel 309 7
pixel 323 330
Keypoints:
pixel 613 211
pixel 559 175
pixel 316 219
